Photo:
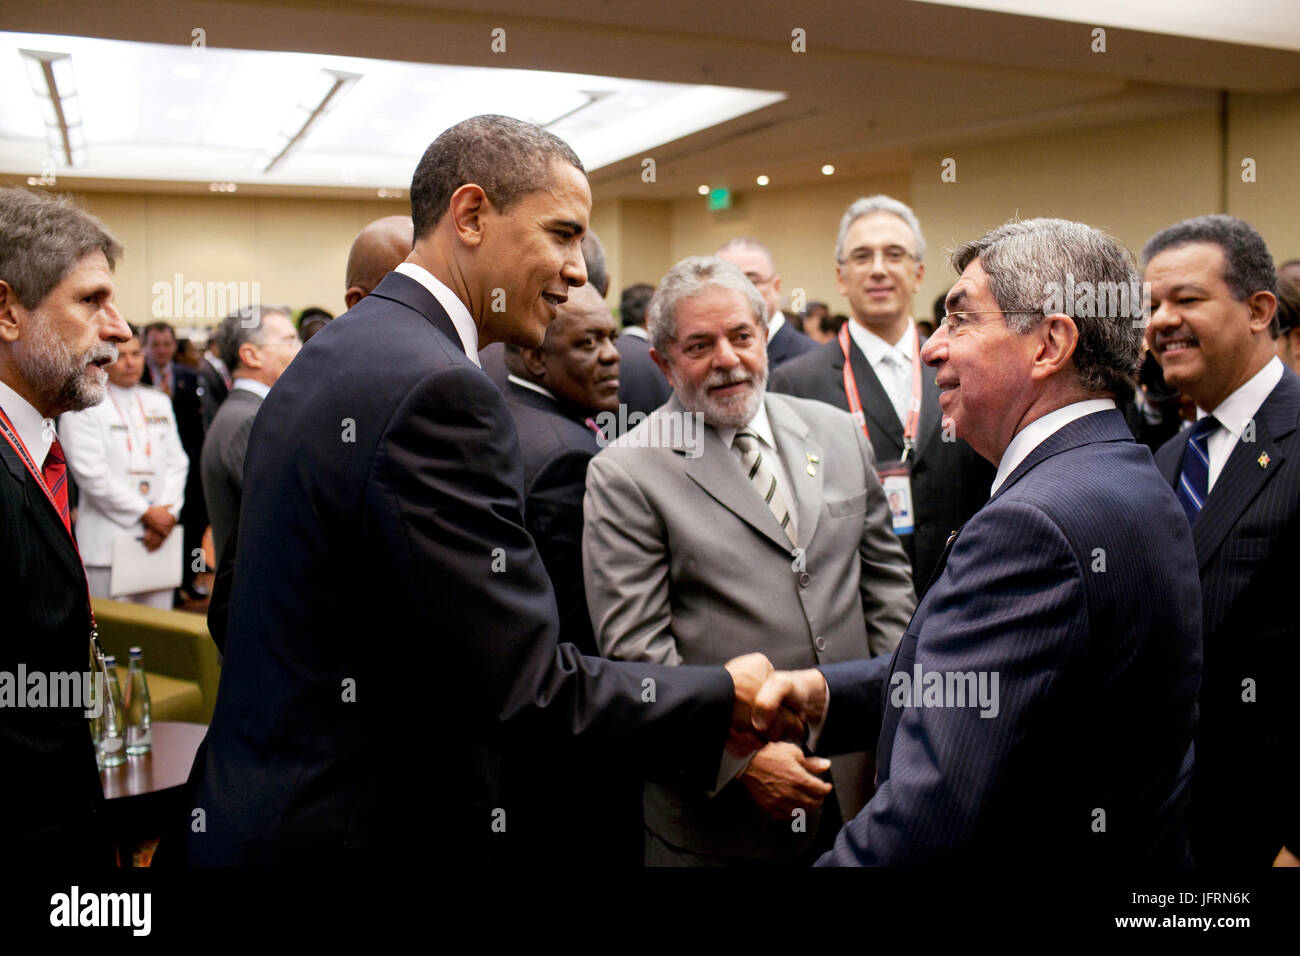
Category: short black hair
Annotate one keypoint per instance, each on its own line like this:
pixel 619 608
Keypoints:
pixel 1247 263
pixel 633 303
pixel 506 157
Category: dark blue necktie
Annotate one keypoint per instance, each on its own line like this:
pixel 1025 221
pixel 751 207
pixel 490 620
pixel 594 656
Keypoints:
pixel 1194 483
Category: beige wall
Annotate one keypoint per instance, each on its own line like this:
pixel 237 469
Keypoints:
pixel 295 248
pixel 1131 179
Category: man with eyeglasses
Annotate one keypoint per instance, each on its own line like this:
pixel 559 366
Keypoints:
pixel 784 341
pixel 1042 702
pixel 873 371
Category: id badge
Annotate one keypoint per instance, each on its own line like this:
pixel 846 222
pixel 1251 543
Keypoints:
pixel 896 478
pixel 144 482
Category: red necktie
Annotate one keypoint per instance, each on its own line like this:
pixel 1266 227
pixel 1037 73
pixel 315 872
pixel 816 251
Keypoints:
pixel 55 474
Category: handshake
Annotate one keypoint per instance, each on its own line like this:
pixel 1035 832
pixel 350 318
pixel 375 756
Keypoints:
pixel 772 705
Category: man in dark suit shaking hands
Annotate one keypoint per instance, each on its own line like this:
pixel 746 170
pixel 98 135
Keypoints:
pixel 1237 475
pixel 392 630
pixel 1043 698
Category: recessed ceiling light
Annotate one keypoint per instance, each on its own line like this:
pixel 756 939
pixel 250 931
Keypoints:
pixel 703 190
pixel 222 187
pixel 187 71
pixel 828 170
pixel 762 180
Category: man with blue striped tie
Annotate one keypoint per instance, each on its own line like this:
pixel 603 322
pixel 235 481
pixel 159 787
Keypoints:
pixel 1236 473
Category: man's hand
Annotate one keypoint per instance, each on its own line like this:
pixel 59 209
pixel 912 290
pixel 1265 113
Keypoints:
pixel 780 779
pixel 748 673
pixel 159 520
pixel 801 692
pixel 152 539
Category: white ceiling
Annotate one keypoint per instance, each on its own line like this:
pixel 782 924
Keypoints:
pixel 159 112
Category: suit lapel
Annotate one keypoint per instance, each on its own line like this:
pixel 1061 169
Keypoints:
pixel 43 514
pixel 404 290
pixel 718 471
pixel 1248 469
pixel 875 401
pixel 798 449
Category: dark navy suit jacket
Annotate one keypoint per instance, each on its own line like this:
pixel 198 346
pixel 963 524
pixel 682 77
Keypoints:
pixel 788 343
pixel 1076 584
pixel 555 448
pixel 1246 790
pixel 392 630
pixel 642 386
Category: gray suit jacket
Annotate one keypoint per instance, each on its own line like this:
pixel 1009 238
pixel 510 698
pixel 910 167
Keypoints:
pixel 684 564
pixel 222 462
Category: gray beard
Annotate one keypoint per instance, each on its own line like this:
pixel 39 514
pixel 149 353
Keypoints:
pixel 55 373
pixel 721 414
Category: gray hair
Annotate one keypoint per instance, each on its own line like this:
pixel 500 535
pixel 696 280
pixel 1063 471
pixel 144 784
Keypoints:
pixel 692 277
pixel 241 326
pixel 1027 260
pixel 1247 263
pixel 506 157
pixel 871 205
pixel 748 242
pixel 42 238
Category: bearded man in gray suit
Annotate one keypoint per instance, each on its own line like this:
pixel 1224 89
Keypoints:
pixel 731 521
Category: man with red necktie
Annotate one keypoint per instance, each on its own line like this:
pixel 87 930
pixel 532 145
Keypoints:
pixel 58 332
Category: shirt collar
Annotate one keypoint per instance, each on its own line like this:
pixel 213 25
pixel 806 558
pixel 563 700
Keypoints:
pixel 28 423
pixel 637 332
pixel 759 425
pixel 455 309
pixel 875 348
pixel 1039 430
pixel 774 325
pixel 260 389
pixel 539 389
pixel 1240 407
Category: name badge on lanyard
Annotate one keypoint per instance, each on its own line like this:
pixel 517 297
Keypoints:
pixel 895 476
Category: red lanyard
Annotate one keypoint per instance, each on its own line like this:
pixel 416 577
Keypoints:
pixel 855 402
pixel 11 435
pixel 148 444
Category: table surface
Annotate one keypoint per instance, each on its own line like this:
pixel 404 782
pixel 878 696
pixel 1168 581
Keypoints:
pixel 167 765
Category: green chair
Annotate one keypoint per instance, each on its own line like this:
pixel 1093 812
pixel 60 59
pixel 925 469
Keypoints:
pixel 181 662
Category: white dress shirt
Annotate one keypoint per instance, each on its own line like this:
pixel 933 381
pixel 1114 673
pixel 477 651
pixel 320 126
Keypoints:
pixel 1038 431
pixel 1235 412
pixel 455 309
pixel 260 389
pixel 539 389
pixel 35 430
pixel 774 325
pixel 891 363
pixel 637 331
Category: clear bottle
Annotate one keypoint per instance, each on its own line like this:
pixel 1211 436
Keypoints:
pixel 112 744
pixel 139 736
pixel 94 706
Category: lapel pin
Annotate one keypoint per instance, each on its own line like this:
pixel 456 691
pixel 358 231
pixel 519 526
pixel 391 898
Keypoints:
pixel 1263 460
pixel 812 463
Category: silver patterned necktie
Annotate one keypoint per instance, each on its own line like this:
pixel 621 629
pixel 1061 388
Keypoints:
pixel 764 480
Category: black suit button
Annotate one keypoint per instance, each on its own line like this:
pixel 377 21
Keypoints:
pixel 804 579
pixel 820 643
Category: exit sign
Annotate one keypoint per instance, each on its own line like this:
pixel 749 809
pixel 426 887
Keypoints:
pixel 719 198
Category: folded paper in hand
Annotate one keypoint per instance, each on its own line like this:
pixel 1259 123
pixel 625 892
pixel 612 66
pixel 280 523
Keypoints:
pixel 136 570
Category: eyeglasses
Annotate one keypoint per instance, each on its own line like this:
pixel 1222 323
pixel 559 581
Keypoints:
pixel 893 255
pixel 954 319
pixel 757 279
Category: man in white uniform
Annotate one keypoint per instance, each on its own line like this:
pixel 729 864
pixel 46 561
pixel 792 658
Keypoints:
pixel 126 456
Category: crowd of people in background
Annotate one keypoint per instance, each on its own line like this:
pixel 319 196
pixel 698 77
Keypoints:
pixel 832 504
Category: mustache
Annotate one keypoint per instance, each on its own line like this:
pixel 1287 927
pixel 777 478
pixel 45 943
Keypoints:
pixel 105 350
pixel 1162 339
pixel 718 379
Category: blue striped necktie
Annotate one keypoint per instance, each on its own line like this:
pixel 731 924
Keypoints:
pixel 1194 483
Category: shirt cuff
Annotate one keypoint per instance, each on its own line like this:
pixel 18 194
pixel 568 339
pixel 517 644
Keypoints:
pixel 815 728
